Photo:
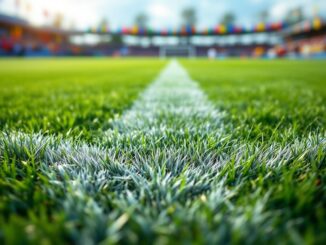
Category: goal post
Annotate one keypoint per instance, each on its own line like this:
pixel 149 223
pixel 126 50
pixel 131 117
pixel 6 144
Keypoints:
pixel 177 51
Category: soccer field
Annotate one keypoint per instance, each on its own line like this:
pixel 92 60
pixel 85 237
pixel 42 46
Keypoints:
pixel 162 151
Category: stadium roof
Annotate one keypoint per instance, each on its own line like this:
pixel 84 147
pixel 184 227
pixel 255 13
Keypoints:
pixel 12 20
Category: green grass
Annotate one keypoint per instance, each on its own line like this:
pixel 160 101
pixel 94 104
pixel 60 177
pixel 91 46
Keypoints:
pixel 261 96
pixel 268 102
pixel 76 97
pixel 246 166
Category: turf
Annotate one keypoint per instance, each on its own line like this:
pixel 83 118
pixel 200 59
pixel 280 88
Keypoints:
pixel 275 102
pixel 243 165
pixel 261 96
pixel 75 97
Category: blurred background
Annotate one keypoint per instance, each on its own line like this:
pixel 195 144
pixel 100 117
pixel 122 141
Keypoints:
pixel 206 28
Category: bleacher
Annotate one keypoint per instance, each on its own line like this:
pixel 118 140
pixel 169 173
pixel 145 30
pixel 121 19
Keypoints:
pixel 307 39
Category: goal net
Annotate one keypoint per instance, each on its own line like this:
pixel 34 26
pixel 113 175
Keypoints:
pixel 177 51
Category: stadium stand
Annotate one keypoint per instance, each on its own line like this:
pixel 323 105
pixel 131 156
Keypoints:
pixel 306 39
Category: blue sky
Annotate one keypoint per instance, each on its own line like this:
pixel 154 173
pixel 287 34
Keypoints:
pixel 162 13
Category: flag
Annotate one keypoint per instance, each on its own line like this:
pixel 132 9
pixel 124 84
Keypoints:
pixel 260 27
pixel 317 24
pixel 45 13
pixel 17 3
pixel 28 8
pixel 222 29
pixel 135 30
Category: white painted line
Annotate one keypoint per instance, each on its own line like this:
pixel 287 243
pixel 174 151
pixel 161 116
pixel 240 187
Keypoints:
pixel 172 97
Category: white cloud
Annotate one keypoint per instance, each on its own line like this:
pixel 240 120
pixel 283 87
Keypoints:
pixel 160 13
pixel 82 13
pixel 279 10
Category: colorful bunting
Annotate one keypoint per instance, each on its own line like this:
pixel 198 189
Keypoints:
pixel 306 26
pixel 164 32
pixel 315 24
pixel 16 32
pixel 222 29
pixel 260 27
pixel 134 30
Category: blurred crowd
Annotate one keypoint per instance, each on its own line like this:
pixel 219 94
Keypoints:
pixel 17 38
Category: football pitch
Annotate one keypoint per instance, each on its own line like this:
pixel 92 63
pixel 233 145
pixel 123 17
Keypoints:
pixel 149 151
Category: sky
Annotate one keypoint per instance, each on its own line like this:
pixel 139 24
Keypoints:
pixel 82 14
